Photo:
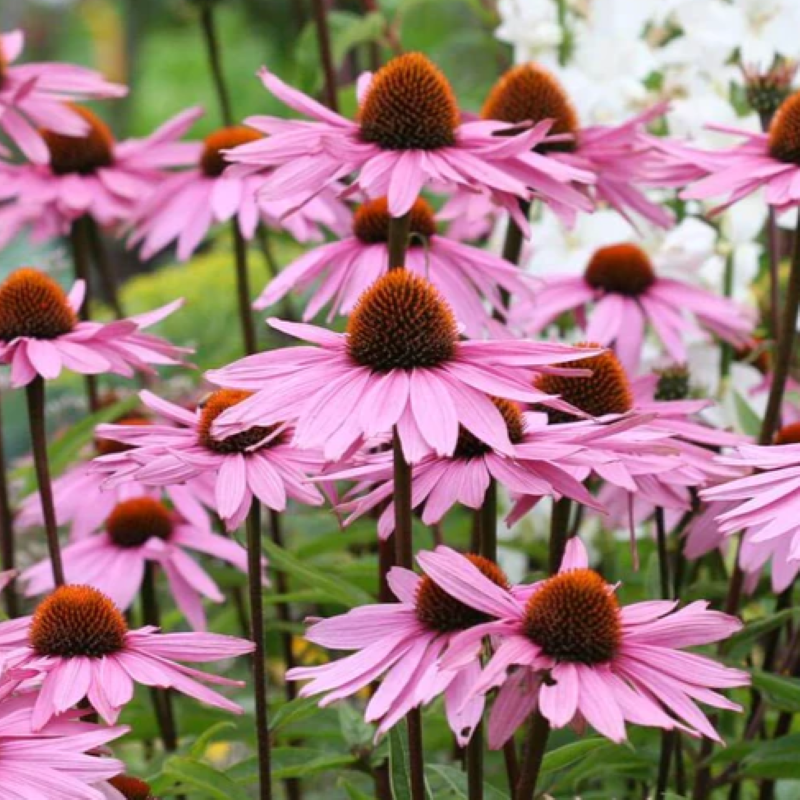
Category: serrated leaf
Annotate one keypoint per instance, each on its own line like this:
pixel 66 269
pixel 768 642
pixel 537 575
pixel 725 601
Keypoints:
pixel 203 777
pixel 336 589
pixel 456 781
pixel 202 742
pixel 564 756
pixel 294 711
pixel 780 692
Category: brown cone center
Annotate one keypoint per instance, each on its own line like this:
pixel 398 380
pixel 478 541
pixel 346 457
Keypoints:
pixel 371 221
pixel 212 160
pixel 784 132
pixel 621 269
pixel 81 155
pixel 134 522
pixel 243 442
pixel 32 304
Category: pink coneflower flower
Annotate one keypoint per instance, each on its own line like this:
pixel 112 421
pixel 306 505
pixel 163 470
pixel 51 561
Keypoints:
pixel 342 271
pixel 95 175
pixel 409 133
pixel 32 97
pixel 764 506
pixel 258 461
pixel 40 333
pixel 56 761
pixel 470 216
pixel 400 363
pixel 765 160
pixel 183 207
pixel 403 642
pixel 616 154
pixel 138 532
pixel 621 294
pixel 79 644
pixel 580 656
pixel 535 468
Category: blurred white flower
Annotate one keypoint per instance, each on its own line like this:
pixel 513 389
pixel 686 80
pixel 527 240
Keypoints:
pixel 532 26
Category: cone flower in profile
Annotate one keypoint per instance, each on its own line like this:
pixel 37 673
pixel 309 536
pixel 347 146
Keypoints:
pixel 40 333
pixel 78 643
pixel 342 271
pixel 91 174
pixel 617 155
pixel 620 295
pixel 571 650
pixel 141 531
pixel 57 761
pixel 408 133
pixel 401 363
pixel 403 642
pixel 184 206
pixel 33 96
pixel 257 462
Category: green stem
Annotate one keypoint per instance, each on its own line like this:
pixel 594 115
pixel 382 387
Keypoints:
pixel 559 532
pixel 667 737
pixel 243 290
pixel 7 549
pixel 532 756
pixel 208 24
pixel 326 53
pixel 399 230
pixel 105 267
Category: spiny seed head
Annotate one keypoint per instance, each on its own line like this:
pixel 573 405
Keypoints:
pixel 134 522
pixel 674 383
pixel 765 91
pixel 574 617
pixel 469 446
pixel 606 391
pixel 32 304
pixel 440 612
pixel 77 621
pixel 243 442
pixel 81 155
pixel 106 447
pixel 531 93
pixel 371 221
pixel 212 161
pixel 132 788
pixel 410 106
pixel 401 322
pixel 788 434
pixel 784 131
pixel 620 268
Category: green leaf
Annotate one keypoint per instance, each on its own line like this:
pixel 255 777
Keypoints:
pixel 781 692
pixel 775 759
pixel 399 763
pixel 335 588
pixel 749 421
pixel 294 711
pixel 355 793
pixel 202 742
pixel 356 733
pixel 455 780
pixel 292 762
pixel 742 642
pixel 570 753
pixel 205 778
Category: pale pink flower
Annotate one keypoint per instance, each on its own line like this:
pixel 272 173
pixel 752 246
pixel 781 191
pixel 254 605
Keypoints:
pixel 401 364
pixel 184 206
pixel 409 133
pixel 470 216
pixel 53 338
pixel 763 506
pixel 78 644
pixel 341 271
pixel 55 761
pixel 538 467
pixel 33 96
pixel 92 175
pixel 141 531
pixel 620 295
pixel 604 664
pixel 403 642
pixel 256 462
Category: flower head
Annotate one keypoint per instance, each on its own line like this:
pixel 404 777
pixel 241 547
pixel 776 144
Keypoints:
pixel 40 333
pixel 403 642
pixel 400 363
pixel 79 644
pixel 570 648
pixel 341 271
pixel 408 133
pixel 129 788
pixel 183 207
pixel 57 760
pixel 32 97
pixel 138 532
pixel 255 461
